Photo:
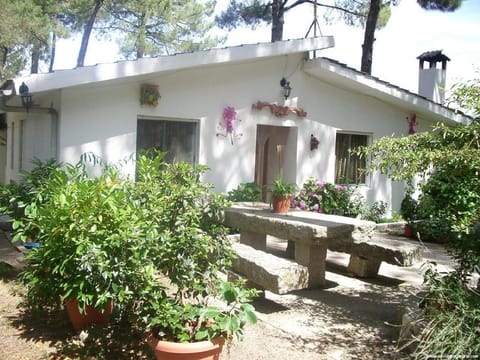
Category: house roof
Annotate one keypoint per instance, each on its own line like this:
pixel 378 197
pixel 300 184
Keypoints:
pixel 146 66
pixel 325 69
pixel 340 75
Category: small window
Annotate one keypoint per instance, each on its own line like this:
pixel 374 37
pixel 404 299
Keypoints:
pixel 347 165
pixel 177 138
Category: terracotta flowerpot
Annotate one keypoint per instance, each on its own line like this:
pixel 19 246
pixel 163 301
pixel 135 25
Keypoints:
pixel 91 316
pixel 408 231
pixel 442 240
pixel 202 350
pixel 281 204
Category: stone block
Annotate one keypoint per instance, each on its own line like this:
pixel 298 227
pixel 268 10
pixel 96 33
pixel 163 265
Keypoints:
pixel 270 272
pixel 363 267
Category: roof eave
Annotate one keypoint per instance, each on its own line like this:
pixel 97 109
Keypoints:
pixel 342 76
pixel 141 67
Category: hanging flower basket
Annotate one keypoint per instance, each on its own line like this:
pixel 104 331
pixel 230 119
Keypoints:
pixel 149 95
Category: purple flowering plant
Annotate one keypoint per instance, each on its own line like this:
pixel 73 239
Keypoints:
pixel 323 197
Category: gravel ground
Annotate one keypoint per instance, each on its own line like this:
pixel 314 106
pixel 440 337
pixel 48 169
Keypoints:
pixel 349 319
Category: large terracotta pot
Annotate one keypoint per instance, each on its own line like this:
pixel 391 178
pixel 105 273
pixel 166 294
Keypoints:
pixel 281 204
pixel 202 350
pixel 91 316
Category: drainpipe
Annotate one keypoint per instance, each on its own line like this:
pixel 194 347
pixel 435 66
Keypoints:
pixel 40 110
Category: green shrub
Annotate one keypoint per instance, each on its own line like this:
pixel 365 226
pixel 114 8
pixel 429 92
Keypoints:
pixel 452 317
pixel 245 192
pixel 323 197
pixel 449 203
pixel 183 214
pixel 447 160
pixel 395 217
pixel 92 248
pixel 408 209
pixel 14 197
pixel 375 212
pixel 111 238
pixel 320 196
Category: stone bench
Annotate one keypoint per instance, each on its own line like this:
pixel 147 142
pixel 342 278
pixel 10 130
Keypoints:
pixel 367 256
pixel 310 234
pixel 267 271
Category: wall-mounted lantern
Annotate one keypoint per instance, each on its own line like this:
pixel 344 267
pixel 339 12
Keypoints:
pixel 27 99
pixel 286 88
pixel 313 143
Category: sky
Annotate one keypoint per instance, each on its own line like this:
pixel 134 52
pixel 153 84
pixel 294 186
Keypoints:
pixel 409 32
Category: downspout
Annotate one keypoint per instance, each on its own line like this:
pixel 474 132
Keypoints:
pixel 41 110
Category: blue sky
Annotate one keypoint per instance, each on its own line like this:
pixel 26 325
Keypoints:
pixel 410 32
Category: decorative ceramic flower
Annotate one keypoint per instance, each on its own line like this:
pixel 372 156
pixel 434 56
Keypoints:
pixel 412 123
pixel 226 124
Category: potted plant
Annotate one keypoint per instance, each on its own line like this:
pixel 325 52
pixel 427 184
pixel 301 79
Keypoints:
pixel 408 210
pixel 198 329
pixel 191 304
pixel 282 193
pixel 92 253
pixel 153 248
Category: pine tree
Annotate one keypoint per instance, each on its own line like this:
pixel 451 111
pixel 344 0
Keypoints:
pixel 369 14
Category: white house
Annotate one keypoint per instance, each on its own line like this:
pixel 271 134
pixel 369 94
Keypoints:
pixel 329 108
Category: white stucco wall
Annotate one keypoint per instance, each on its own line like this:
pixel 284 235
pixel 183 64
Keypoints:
pixel 102 119
pixel 28 138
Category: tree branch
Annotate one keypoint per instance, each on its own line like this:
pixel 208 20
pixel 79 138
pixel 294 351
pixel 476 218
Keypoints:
pixel 300 2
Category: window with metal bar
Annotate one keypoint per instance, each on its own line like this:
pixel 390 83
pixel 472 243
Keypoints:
pixel 347 164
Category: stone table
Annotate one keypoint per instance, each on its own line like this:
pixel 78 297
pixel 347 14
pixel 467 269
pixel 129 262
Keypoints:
pixel 309 234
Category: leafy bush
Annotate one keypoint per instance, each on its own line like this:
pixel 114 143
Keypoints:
pixel 14 197
pixel 449 202
pixel 395 217
pixel 323 197
pixel 184 215
pixel 408 208
pixel 447 159
pixel 320 196
pixel 92 249
pixel 452 317
pixel 375 212
pixel 189 322
pixel 245 192
pixel 110 238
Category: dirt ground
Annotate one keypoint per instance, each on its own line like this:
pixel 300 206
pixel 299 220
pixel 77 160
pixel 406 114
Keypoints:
pixel 349 319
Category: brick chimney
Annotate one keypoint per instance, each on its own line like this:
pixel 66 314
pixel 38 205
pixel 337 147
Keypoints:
pixel 431 80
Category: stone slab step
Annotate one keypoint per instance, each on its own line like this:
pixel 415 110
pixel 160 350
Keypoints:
pixel 268 271
pixel 396 252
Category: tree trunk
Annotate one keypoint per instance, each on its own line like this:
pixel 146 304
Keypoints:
pixel 86 33
pixel 35 59
pixel 4 56
pixel 141 37
pixel 52 52
pixel 367 47
pixel 277 20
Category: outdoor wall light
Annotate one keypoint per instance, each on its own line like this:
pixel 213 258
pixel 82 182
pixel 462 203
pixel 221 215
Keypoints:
pixel 313 143
pixel 27 100
pixel 286 88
